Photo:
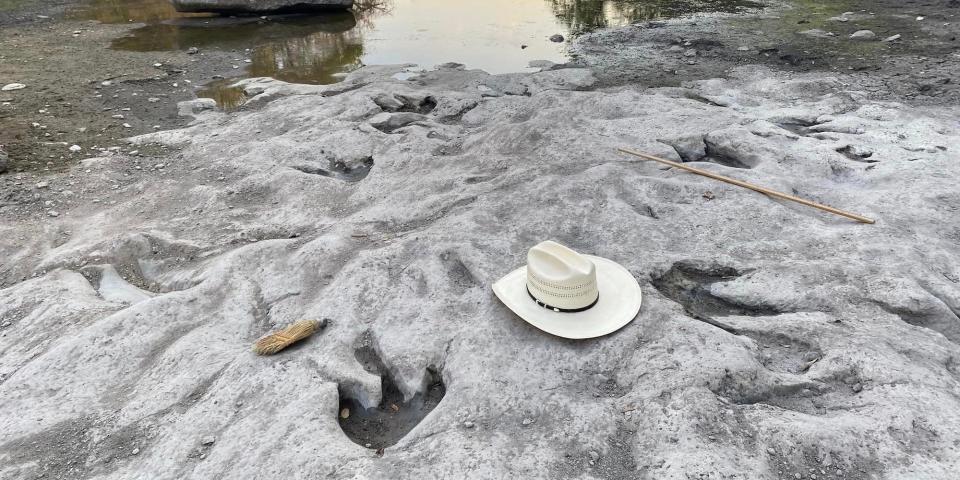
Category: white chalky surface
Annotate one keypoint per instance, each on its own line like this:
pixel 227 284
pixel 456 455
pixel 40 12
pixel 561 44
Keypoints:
pixel 805 343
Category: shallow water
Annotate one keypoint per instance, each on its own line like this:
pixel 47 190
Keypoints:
pixel 497 36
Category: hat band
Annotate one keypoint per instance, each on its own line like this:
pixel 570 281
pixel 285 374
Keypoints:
pixel 562 310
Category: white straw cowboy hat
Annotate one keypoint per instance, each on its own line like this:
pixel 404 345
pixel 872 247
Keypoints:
pixel 570 295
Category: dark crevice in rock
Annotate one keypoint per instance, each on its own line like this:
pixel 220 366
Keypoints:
pixel 458 273
pixel 856 154
pixel 947 325
pixel 689 285
pixel 715 156
pixel 384 425
pixel 422 106
pixel 746 388
pixel 354 172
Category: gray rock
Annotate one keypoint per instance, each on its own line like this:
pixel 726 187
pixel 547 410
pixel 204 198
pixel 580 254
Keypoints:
pixel 392 121
pixel 556 38
pixel 863 35
pixel 195 106
pixel 259 6
pixel 542 64
pixel 208 440
pixel 892 38
pixel 451 207
pixel 817 33
pixel 193 51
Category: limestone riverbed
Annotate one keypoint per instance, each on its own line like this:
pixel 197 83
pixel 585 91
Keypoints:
pixel 774 341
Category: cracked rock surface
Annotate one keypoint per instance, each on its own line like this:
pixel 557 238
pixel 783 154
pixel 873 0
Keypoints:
pixel 775 341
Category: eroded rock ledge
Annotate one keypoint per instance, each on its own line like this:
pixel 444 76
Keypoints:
pixel 774 340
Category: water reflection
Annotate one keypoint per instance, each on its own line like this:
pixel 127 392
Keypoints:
pixel 494 35
pixel 582 16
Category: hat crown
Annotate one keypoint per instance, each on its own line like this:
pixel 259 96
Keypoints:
pixel 561 278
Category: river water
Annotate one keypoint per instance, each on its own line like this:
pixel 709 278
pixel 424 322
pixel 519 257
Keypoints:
pixel 497 36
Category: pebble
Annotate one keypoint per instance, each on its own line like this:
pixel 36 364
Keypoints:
pixel 527 421
pixel 53 213
pixel 345 413
pixel 193 51
pixel 208 440
pixel 75 148
pixel 12 86
pixel 744 49
pixel 158 65
pixel 863 35
pixel 127 125
pixel 5 324
pixel 594 455
pixel 153 99
pixel 469 424
pixel 557 38
pixel 160 165
pixel 42 184
pixel 690 53
pixel 892 38
pixel 136 451
pixel 118 116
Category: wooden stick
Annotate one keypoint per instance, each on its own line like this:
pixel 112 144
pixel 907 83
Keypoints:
pixel 765 191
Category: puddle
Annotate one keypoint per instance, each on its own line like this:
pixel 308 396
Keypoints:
pixel 385 424
pixel 498 36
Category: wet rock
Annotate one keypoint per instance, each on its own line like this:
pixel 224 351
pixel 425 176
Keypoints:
pixel 863 35
pixel 259 6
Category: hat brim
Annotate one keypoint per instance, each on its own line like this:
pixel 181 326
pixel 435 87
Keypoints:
pixel 618 305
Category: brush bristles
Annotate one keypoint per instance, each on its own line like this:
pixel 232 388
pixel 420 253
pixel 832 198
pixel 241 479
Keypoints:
pixel 277 341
